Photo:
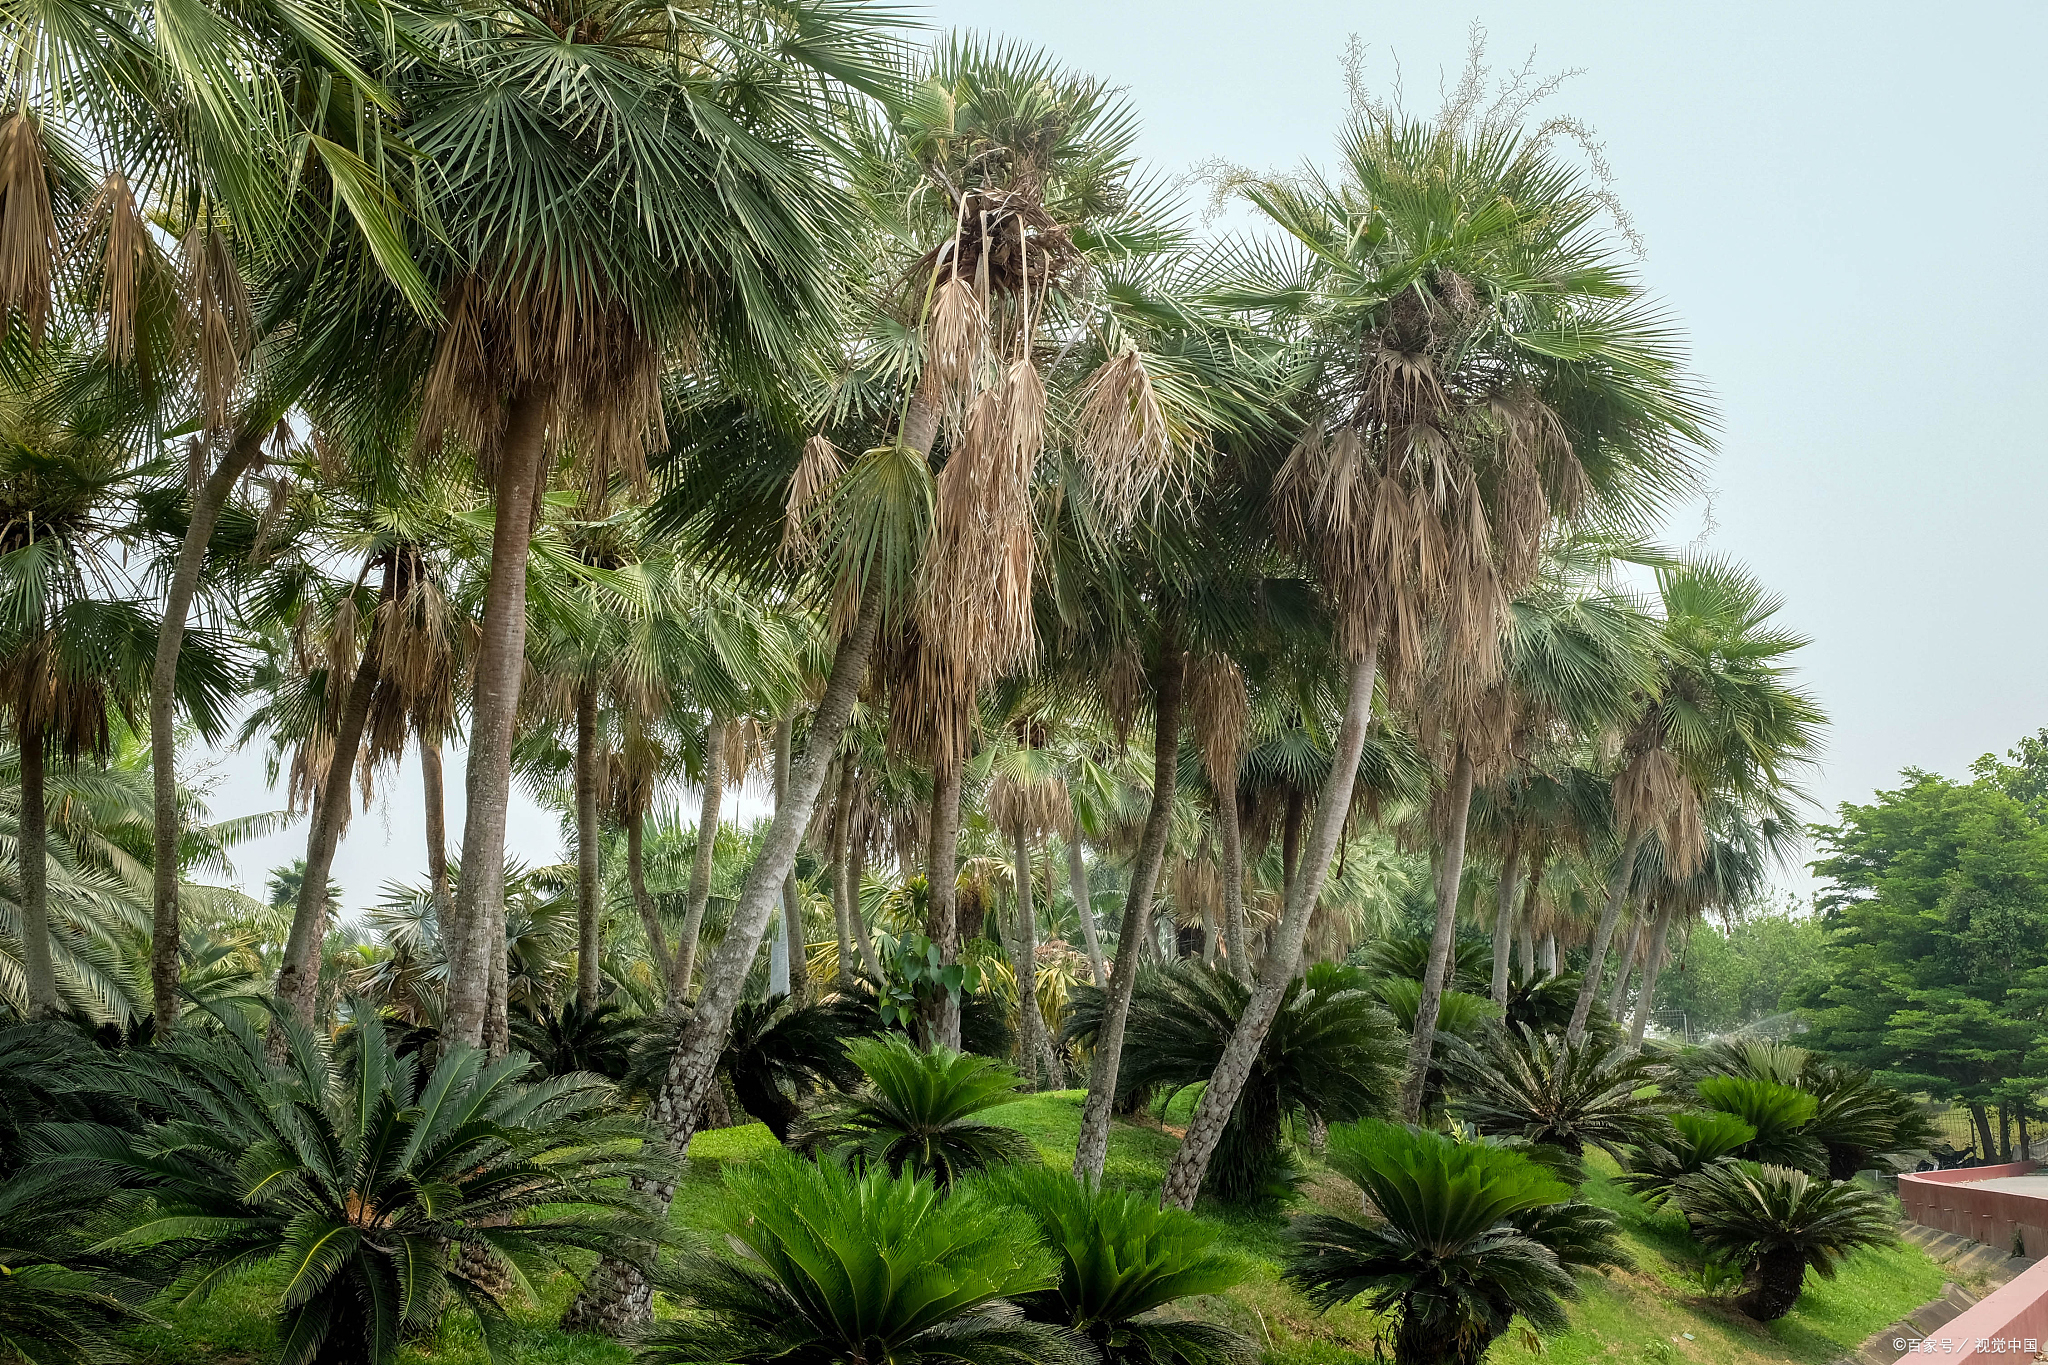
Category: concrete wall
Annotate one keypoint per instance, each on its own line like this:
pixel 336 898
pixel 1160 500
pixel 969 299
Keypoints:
pixel 1947 1200
pixel 2010 1324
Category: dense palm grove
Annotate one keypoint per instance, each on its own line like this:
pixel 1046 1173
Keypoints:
pixel 1181 668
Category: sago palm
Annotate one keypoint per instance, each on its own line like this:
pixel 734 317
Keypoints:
pixel 1122 1258
pixel 1696 1141
pixel 1562 1094
pixel 828 1265
pixel 1781 1114
pixel 918 1113
pixel 1776 1223
pixel 1468 1237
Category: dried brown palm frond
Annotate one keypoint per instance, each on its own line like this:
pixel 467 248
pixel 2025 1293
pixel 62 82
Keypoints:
pixel 1029 806
pixel 1219 709
pixel 30 243
pixel 816 471
pixel 125 261
pixel 1121 435
pixel 1652 791
pixel 220 323
pixel 956 351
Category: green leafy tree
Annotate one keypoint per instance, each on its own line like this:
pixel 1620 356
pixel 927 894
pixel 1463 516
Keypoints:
pixel 830 1265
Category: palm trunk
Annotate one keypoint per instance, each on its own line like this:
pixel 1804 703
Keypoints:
pixel 1504 916
pixel 799 983
pixel 1230 834
pixel 1530 895
pixel 1077 886
pixel 650 917
pixel 707 844
pixel 1422 1044
pixel 1603 933
pixel 1091 1151
pixel 942 878
pixel 436 802
pixel 589 941
pixel 1550 954
pixel 1653 961
pixel 618 1296
pixel 207 503
pixel 1212 1112
pixel 1290 845
pixel 299 977
pixel 474 1001
pixel 1030 1023
pixel 33 853
pixel 856 865
pixel 844 905
pixel 1625 967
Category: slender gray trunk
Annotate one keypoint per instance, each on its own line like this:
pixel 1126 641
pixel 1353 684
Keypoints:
pixel 707 845
pixel 1504 916
pixel 589 909
pixel 1030 1023
pixel 799 981
pixel 1450 874
pixel 298 979
pixel 1550 954
pixel 33 853
pixel 1653 960
pixel 942 879
pixel 207 503
pixel 1077 886
pixel 1091 1151
pixel 1603 933
pixel 650 917
pixel 478 943
pixel 845 905
pixel 1625 965
pixel 434 796
pixel 618 1296
pixel 1212 1112
pixel 1230 834
pixel 856 865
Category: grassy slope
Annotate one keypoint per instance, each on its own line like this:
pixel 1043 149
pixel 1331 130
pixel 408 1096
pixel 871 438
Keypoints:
pixel 1642 1315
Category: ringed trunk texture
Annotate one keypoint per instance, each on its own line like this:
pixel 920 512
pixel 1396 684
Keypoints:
pixel 1091 1152
pixel 618 1297
pixel 1603 933
pixel 792 909
pixel 1031 1041
pixel 1077 887
pixel 1230 835
pixel 34 855
pixel 1451 873
pixel 942 878
pixel 650 916
pixel 299 977
pixel 843 908
pixel 589 929
pixel 1625 965
pixel 1504 918
pixel 707 845
pixel 1774 1284
pixel 242 455
pixel 1212 1112
pixel 476 965
pixel 856 865
pixel 1653 960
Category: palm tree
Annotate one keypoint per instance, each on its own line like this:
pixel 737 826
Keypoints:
pixel 1468 1237
pixel 1776 1223
pixel 1434 285
pixel 831 1265
pixel 1562 1094
pixel 917 1113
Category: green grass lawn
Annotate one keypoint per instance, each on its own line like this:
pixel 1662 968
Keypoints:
pixel 1653 1313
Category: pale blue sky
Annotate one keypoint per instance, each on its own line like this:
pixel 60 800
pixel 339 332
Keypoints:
pixel 1843 205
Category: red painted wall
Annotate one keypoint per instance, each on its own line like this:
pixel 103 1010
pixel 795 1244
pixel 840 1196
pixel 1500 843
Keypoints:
pixel 1947 1200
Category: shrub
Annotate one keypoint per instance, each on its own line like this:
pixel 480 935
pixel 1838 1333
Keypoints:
pixel 1860 1122
pixel 594 1038
pixel 1781 1115
pixel 1561 1094
pixel 1332 1054
pixel 1121 1256
pixel 778 1055
pixel 387 1196
pixel 1469 1236
pixel 831 1265
pixel 916 1113
pixel 1775 1222
pixel 1696 1141
pixel 61 1301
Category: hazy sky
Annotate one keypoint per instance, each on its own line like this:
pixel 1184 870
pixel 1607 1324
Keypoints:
pixel 1843 205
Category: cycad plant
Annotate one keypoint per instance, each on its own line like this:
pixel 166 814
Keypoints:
pixel 61 1301
pixel 1468 1237
pixel 384 1193
pixel 1781 1114
pixel 829 1265
pixel 777 1056
pixel 1860 1122
pixel 1776 1222
pixel 1562 1094
pixel 918 1113
pixel 1332 1055
pixel 1696 1141
pixel 1121 1258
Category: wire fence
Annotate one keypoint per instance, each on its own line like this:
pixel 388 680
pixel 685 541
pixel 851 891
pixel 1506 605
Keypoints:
pixel 1959 1130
